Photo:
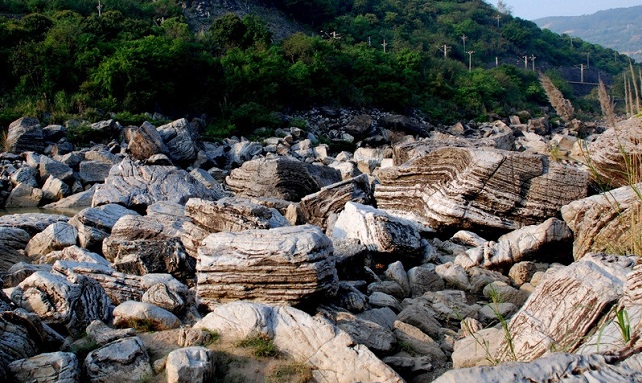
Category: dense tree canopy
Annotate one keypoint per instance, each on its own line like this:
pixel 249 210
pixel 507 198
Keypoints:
pixel 448 59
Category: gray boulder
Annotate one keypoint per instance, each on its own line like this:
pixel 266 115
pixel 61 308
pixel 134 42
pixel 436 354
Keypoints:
pixel 180 137
pixel 12 242
pixel 55 367
pixel 124 360
pixel 138 186
pixel 146 315
pixel 24 135
pixel 94 224
pixel 56 236
pixel 232 214
pixel 23 195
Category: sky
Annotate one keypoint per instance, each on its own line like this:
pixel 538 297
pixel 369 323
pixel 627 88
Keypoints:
pixel 530 10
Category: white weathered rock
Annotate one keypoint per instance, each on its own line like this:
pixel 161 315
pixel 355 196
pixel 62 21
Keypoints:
pixel 529 242
pixel 58 367
pixel 232 214
pixel 473 189
pixel 370 334
pixel 74 254
pixel 135 314
pixel 605 222
pixel 133 185
pixel 25 175
pixel 559 367
pixel 32 223
pixel 56 236
pixel 479 349
pixel 286 265
pixel 368 159
pixel 311 340
pixel 72 302
pixel 124 361
pixel 377 230
pixel 162 296
pixel 454 275
pixel 190 365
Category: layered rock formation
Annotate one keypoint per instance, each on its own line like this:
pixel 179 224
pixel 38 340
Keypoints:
pixel 285 265
pixel 479 189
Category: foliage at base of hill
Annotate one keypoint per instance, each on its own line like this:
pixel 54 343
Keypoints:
pixel 63 58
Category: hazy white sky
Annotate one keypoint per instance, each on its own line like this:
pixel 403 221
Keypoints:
pixel 530 10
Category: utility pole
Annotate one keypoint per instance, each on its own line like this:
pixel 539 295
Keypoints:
pixel 533 61
pixel 100 8
pixel 498 17
pixel 582 73
pixel 496 61
pixel 588 54
pixel 369 41
pixel 525 62
pixel 445 48
pixel 470 60
pixel 464 38
pixel 384 45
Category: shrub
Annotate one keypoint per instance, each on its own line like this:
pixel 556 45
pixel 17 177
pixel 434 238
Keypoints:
pixel 261 345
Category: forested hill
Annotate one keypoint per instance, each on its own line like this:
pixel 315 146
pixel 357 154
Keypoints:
pixel 239 61
pixel 620 28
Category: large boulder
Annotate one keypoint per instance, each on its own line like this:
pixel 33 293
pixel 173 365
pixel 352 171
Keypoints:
pixel 144 315
pixel 12 242
pixel 546 240
pixel 144 141
pixel 56 236
pixel 180 137
pixel 190 365
pixel 119 287
pixel 71 302
pixel 330 352
pixel 232 214
pixel 138 186
pixel 565 307
pixel 614 155
pixel 323 207
pixel 22 335
pixel 94 224
pixel 124 360
pixel 280 177
pixel 610 221
pixel 155 243
pixel 285 265
pixel 25 135
pixel 479 189
pixel 501 137
pixel 58 367
pixel 378 230
pixel 23 195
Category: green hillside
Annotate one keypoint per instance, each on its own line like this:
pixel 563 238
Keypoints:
pixel 619 29
pixel 237 63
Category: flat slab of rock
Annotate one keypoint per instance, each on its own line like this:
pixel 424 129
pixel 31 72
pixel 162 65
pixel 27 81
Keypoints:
pixel 232 214
pixel 280 177
pixel 138 186
pixel 32 223
pixel 479 189
pixel 605 222
pixel 330 352
pixel 286 265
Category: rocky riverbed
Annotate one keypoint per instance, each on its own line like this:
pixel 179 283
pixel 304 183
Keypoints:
pixel 473 252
